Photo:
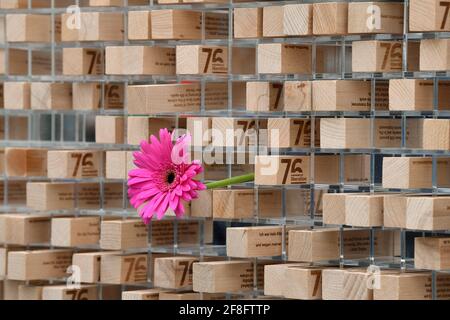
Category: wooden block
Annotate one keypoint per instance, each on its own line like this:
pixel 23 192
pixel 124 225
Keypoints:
pixel 248 22
pixel 436 134
pixel 123 234
pixel 233 204
pixel 74 232
pixel 431 253
pixel 334 208
pixel 139 25
pixel 141 128
pixel 304 283
pixel 333 284
pixel 10 289
pixel 187 25
pixel 413 172
pixel 140 60
pixel 109 129
pixel 89 264
pixel 123 269
pixel 24 229
pixel 85 292
pixel 276 58
pixel 330 18
pixel 377 56
pixel 410 286
pixel 427 213
pixel 364 210
pixel 237 132
pixel 38 264
pixel 162 233
pixel 390 19
pixel 282 170
pixel 28 28
pixel 200 130
pixel 173 272
pixel 203 207
pixel 87 96
pixel 297 96
pixel 417 95
pixel 341 95
pixel 148 294
pixel 118 163
pixel 292 133
pixel 4 257
pixel 434 55
pixel 355 285
pixel 394 211
pixel 30 292
pixel 174 296
pixel 93 26
pixel 25 162
pixel 273 22
pixel 428 15
pixel 264 96
pixel 275 279
pixel 163 98
pixel 297 19
pixel 17 95
pixel 49 96
pixel 74 164
pixel 83 61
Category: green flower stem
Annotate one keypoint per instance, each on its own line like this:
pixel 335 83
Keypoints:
pixel 231 181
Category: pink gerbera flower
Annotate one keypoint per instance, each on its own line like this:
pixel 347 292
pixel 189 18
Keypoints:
pixel 164 176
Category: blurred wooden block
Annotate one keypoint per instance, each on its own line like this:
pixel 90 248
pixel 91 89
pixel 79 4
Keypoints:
pixel 345 133
pixel 334 208
pixel 200 130
pixel 87 96
pixel 248 22
pixel 304 283
pixel 282 170
pixel 93 26
pixel 74 232
pixel 38 264
pixel 428 15
pixel 109 129
pixel 139 25
pixel 74 164
pixel 30 292
pixel 275 280
pixel 377 56
pixel 341 95
pixel 83 61
pixel 333 284
pixel 394 211
pixel 29 28
pixel 417 95
pixel 390 18
pixel 148 294
pixel 355 285
pixel 141 128
pixel 434 55
pixel 233 203
pixel 414 172
pixel 23 4
pixel 51 96
pixel 176 296
pixel 123 269
pixel 364 210
pixel 297 96
pixel 273 25
pixel 123 234
pixel 276 58
pixel 330 18
pixel 436 134
pixel 428 213
pixel 118 164
pixel 140 60
pixel 163 98
pixel 292 133
pixel 264 96
pixel 173 272
pixel 236 132
pixel 10 289
pixel 162 233
pixel 187 25
pixel 89 264
pixel 85 292
pixel 4 257
pixel 203 206
pixel 24 229
pixel 431 253
pixel 17 95
pixel 297 19
pixel 25 162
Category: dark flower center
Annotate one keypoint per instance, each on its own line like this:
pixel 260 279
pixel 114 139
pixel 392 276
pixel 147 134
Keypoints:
pixel 170 177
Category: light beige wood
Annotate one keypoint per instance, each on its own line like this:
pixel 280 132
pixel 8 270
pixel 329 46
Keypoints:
pixel 123 234
pixel 74 232
pixel 428 15
pixel 428 213
pixel 355 285
pixel 187 25
pixel 341 95
pixel 147 294
pixel 93 26
pixel 436 134
pixel 25 229
pixel 163 98
pixel 123 269
pixel 273 21
pixel 264 96
pixel 29 28
pixel 276 58
pixel 83 61
pixel 118 164
pixel 233 204
pixel 140 60
pixel 297 96
pixel 238 132
pixel 275 279
pixel 414 172
pixel 74 164
pixel 303 283
pixel 364 210
pixel 51 96
pixel 141 128
pixel 23 4
pixel 248 22
pixel 173 272
pixel 89 264
pixel 431 253
pixel 394 211
pixel 292 133
pixel 162 233
pixel 297 19
pixel 109 129
pixel 434 55
pixel 30 292
pixel 200 130
pixel 85 292
pixel 17 95
pixel 334 208
pixel 417 95
pixel 333 284
pixel 87 96
pixel 4 256
pixel 245 242
pixel 139 25
pixel 11 289
pixel 330 18
pixel 281 170
pixel 38 264
pixel 25 162
pixel 203 206
pixel 375 17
